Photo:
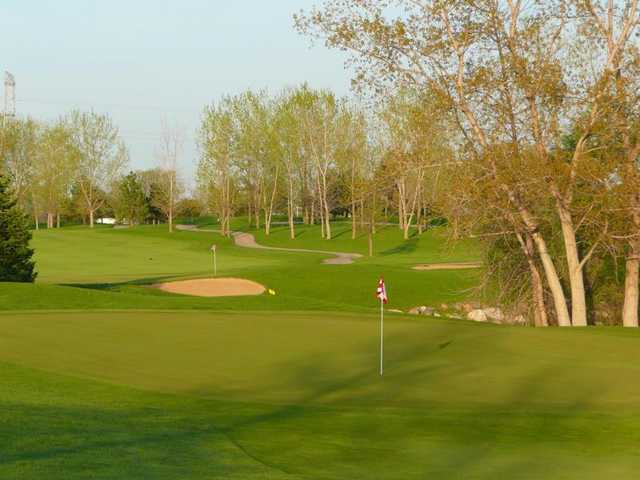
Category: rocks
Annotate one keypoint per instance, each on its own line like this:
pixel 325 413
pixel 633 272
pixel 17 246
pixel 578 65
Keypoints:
pixel 473 311
pixel 422 310
pixel 477 315
pixel 494 313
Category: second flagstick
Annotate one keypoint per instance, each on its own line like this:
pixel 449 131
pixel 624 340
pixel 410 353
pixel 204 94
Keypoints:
pixel 381 293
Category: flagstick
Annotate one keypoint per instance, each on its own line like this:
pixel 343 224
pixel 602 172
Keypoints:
pixel 381 335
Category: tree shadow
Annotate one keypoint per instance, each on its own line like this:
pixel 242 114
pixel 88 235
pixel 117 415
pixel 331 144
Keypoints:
pixel 408 246
pixel 140 282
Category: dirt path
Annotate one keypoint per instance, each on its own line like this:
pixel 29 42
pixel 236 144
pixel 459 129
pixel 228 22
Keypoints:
pixel 448 266
pixel 243 239
pixel 247 240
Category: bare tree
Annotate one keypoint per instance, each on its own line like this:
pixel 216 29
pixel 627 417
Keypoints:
pixel 171 148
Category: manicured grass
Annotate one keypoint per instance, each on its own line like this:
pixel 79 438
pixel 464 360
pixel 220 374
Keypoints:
pixel 103 377
pixel 284 395
pixel 434 245
pixel 116 264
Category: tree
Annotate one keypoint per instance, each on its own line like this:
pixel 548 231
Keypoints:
pixel 16 264
pixel 484 61
pixel 19 144
pixel 102 155
pixel 171 146
pixel 189 208
pixel 130 200
pixel 54 168
pixel 218 136
pixel 20 139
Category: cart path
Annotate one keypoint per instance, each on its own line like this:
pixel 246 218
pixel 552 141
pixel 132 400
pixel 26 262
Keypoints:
pixel 243 239
pixel 247 240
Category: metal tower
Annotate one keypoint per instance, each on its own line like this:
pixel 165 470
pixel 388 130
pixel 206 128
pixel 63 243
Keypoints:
pixel 9 95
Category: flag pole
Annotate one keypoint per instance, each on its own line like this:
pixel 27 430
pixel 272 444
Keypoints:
pixel 381 335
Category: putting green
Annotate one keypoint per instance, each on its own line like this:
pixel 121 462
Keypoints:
pixel 285 395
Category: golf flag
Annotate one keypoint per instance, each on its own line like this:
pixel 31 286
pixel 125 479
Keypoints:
pixel 381 292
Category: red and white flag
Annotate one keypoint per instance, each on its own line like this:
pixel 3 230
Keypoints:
pixel 381 292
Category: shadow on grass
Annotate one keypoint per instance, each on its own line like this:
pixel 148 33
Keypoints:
pixel 408 246
pixel 140 282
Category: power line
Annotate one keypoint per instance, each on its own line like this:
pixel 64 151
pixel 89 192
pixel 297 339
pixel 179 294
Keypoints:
pixel 67 103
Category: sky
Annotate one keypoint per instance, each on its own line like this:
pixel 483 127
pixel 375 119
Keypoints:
pixel 142 61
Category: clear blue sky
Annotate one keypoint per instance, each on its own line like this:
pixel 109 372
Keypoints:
pixel 142 60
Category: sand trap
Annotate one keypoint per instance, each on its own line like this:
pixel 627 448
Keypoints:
pixel 448 266
pixel 213 287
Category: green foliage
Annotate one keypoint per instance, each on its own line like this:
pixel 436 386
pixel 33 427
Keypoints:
pixel 131 203
pixel 16 264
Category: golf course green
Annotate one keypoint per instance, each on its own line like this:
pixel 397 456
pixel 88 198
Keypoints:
pixel 106 378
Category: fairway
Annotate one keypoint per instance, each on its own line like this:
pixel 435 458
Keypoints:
pixel 297 395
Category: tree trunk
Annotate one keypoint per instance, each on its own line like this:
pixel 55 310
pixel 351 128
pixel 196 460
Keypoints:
pixel 539 310
pixel 324 205
pixel 256 213
pixel 171 201
pixel 290 213
pixel 91 218
pixel 58 220
pixel 630 307
pixel 559 301
pixel 576 277
pixel 268 212
pixel 401 206
pixel 354 227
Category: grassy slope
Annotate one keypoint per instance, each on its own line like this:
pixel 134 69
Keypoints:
pixel 298 396
pixel 115 262
pixel 178 394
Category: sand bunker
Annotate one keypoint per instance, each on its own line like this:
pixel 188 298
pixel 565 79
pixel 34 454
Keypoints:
pixel 448 266
pixel 213 287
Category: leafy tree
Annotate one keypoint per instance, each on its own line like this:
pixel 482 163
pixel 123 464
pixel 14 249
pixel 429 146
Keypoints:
pixel 131 203
pixel 189 208
pixel 102 156
pixel 16 264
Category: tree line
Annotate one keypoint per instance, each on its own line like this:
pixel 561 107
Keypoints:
pixel 315 156
pixel 74 169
